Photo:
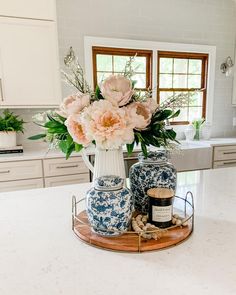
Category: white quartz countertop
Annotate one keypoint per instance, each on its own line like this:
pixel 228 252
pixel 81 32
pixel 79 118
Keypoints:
pixel 40 255
pixel 34 153
pixel 212 142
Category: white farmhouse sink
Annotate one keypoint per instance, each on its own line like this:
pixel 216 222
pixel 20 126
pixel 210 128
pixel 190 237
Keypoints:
pixel 192 156
pixel 193 144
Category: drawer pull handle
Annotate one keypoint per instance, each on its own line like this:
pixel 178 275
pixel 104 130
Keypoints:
pixel 6 171
pixel 131 158
pixel 229 163
pixel 64 167
pixel 229 153
pixel 1 90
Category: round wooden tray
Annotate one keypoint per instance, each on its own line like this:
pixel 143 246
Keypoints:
pixel 128 242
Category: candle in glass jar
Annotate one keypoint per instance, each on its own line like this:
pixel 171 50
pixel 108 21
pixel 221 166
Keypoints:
pixel 160 206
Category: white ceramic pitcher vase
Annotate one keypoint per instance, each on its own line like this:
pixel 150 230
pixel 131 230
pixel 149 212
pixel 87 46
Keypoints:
pixel 107 162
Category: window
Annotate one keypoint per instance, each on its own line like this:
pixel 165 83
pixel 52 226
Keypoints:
pixel 107 61
pixel 201 52
pixel 183 72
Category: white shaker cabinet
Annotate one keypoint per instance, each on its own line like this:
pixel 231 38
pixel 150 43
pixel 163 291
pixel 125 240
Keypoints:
pixel 224 156
pixel 17 185
pixel 19 170
pixel 29 174
pixel 37 9
pixel 66 180
pixel 29 64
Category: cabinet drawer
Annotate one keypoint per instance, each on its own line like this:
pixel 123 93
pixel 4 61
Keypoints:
pixel 224 153
pixel 9 186
pixel 61 166
pixel 20 170
pixel 65 180
pixel 224 164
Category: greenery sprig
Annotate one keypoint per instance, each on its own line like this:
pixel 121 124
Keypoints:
pixel 11 122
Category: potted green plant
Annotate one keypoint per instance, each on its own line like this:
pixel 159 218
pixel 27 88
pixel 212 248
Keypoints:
pixel 10 124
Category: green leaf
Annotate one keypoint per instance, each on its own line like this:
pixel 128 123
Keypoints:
pixel 139 136
pixel 36 137
pixel 162 115
pixel 61 118
pixel 57 130
pixel 98 94
pixel 174 115
pixel 144 149
pixel 69 151
pixel 171 134
pixel 67 146
pixel 164 137
pixel 134 82
pixel 136 139
pixel 78 147
pixel 130 148
pixel 155 142
pixel 53 124
pixel 156 127
pixel 69 140
pixel 63 146
pixel 146 137
pixel 50 117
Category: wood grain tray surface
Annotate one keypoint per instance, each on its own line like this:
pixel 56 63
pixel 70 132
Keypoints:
pixel 128 242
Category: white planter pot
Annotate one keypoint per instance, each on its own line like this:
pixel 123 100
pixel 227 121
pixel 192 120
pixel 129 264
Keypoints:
pixel 189 132
pixel 7 139
pixel 206 131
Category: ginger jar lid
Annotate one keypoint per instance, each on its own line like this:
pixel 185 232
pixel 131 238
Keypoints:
pixel 108 183
pixel 154 157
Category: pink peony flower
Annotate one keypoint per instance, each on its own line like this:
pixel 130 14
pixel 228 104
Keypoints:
pixel 74 104
pixel 139 114
pixel 117 89
pixel 107 125
pixel 77 130
pixel 151 104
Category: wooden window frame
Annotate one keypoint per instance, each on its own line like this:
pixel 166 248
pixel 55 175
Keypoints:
pixel 185 55
pixel 124 52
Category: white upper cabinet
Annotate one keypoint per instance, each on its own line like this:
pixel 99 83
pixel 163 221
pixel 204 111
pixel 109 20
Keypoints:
pixel 29 63
pixel 37 9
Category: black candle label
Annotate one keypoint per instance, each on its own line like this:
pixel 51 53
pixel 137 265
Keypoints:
pixel 161 214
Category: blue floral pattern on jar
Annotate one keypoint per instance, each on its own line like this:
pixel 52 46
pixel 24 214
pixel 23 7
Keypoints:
pixel 109 206
pixel 153 171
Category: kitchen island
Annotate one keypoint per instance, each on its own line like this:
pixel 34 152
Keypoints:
pixel 40 255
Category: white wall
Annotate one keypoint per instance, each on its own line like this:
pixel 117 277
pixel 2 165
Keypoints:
pixel 209 22
pixel 29 129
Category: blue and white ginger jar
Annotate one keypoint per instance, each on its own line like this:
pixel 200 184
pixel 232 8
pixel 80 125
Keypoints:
pixel 109 206
pixel 153 171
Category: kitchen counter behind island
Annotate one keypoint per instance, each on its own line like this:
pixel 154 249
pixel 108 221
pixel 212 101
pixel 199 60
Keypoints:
pixel 40 255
